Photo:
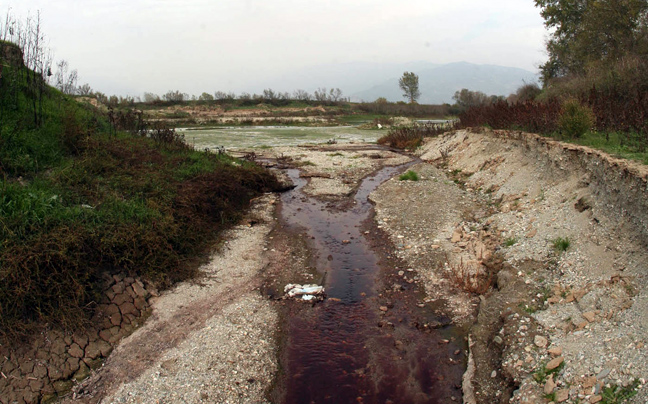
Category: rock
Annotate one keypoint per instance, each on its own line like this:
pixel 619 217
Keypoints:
pixel 456 236
pixel 140 303
pixel 554 363
pixel 54 372
pixel 603 374
pixel 498 340
pixel 118 288
pixel 95 349
pixel 494 374
pixel 40 371
pixel 555 351
pixel 75 351
pixel 111 309
pixel 122 298
pixel 383 308
pixel 540 341
pixel 58 346
pixel 115 319
pixel 105 334
pixel 589 382
pixel 63 386
pixel 595 399
pixel 590 316
pixel 532 233
pixel 139 289
pixel 82 373
pixel 550 385
pixel 128 308
pixel 562 395
pixel 27 367
pixel 80 339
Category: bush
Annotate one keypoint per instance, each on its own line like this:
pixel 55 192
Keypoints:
pixel 411 137
pixel 561 244
pixel 409 176
pixel 575 119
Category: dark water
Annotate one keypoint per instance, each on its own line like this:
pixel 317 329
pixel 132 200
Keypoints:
pixel 336 352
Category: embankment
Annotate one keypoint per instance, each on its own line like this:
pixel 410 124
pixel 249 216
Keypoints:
pixel 542 245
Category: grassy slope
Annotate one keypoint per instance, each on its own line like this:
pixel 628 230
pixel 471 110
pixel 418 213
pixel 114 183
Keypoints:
pixel 77 201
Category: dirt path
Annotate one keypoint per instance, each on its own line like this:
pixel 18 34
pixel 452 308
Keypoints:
pixel 471 243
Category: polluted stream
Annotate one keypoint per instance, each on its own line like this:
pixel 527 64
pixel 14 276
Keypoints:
pixel 363 343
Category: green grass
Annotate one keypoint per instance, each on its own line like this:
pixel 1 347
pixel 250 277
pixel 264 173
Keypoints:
pixel 620 145
pixel 78 200
pixel 409 176
pixel 509 242
pixel 542 373
pixel 561 244
pixel 616 394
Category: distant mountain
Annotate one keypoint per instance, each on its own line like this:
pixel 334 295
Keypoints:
pixel 351 77
pixel 439 83
pixel 368 81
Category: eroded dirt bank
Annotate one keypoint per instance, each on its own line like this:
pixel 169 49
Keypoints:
pixel 498 208
pixel 471 242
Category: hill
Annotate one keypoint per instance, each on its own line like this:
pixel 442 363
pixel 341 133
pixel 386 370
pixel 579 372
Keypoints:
pixel 87 194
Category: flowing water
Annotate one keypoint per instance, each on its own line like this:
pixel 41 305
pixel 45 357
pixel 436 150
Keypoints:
pixel 345 349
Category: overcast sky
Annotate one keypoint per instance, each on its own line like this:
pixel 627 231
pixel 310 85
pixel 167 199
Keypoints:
pixel 132 46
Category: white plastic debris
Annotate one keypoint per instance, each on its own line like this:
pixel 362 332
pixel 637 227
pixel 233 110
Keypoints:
pixel 304 292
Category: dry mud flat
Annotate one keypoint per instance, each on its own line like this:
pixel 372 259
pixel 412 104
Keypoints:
pixel 562 326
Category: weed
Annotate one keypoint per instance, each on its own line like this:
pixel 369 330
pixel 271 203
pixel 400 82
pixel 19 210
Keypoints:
pixel 471 280
pixel 304 163
pixel 550 396
pixel 411 137
pixel 409 176
pixel 509 242
pixel 543 373
pixel 338 154
pixel 615 394
pixel 561 244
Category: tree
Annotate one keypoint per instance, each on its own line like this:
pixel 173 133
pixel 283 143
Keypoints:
pixel 409 83
pixel 321 95
pixel 466 98
pixel 150 98
pixel 174 96
pixel 588 32
pixel 206 97
pixel 84 90
pixel 301 95
pixel 66 82
pixel 335 94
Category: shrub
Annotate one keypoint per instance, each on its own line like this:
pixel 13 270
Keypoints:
pixel 409 176
pixel 575 119
pixel 561 244
pixel 411 137
pixel 509 242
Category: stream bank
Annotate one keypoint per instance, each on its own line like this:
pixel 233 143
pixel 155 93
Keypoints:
pixel 478 230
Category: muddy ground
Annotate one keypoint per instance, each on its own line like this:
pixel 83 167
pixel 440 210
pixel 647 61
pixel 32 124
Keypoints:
pixel 475 242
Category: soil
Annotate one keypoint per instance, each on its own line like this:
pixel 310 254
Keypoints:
pixel 472 244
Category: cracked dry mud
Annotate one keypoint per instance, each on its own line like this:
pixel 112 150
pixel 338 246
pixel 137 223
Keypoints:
pixel 485 211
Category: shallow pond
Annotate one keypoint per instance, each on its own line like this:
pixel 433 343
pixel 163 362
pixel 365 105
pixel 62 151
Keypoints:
pixel 264 136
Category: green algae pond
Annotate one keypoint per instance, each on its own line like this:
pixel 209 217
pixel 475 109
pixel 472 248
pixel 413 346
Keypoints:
pixel 271 136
